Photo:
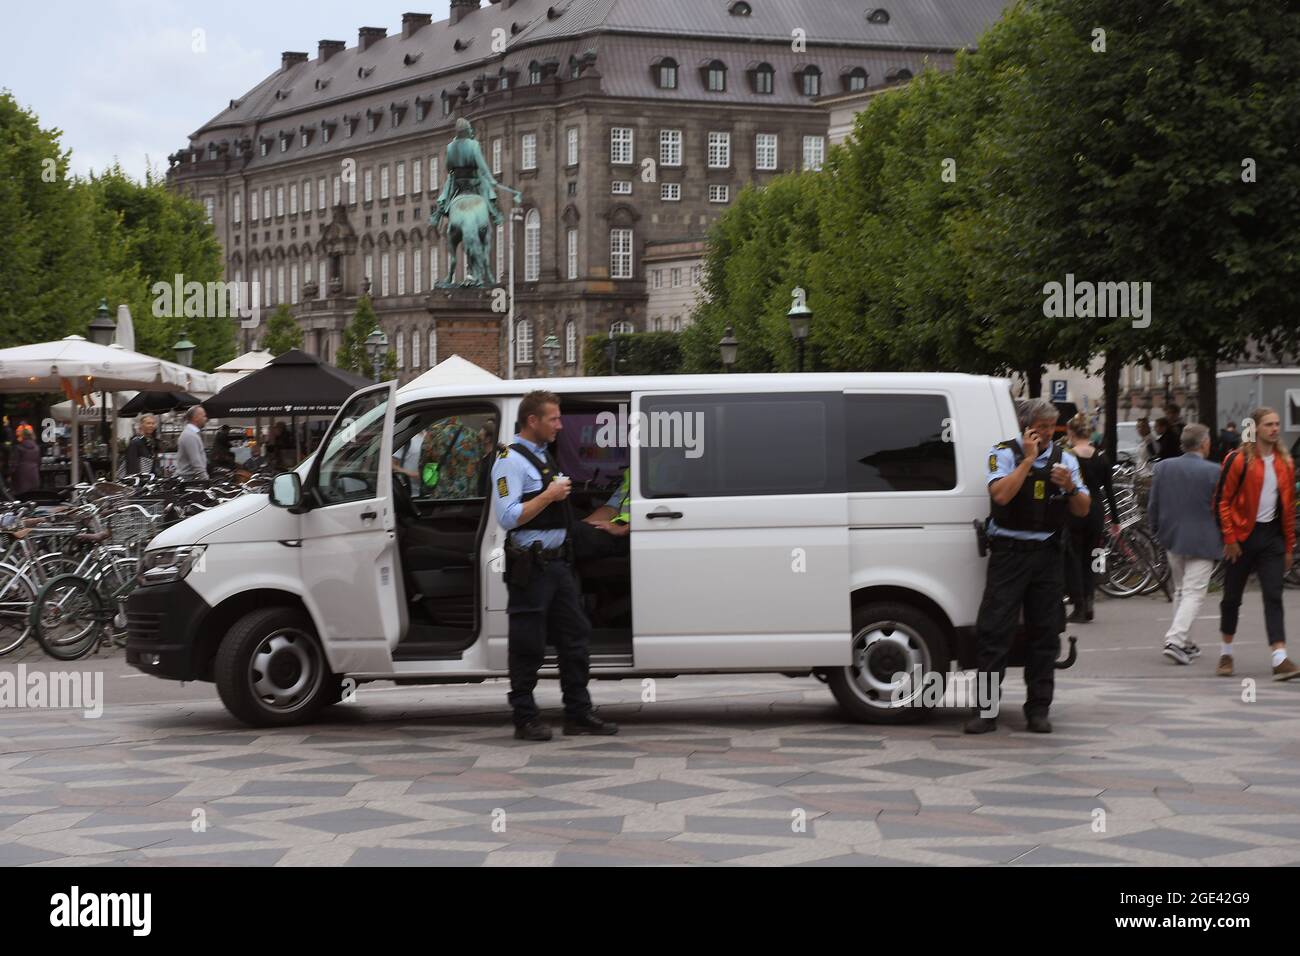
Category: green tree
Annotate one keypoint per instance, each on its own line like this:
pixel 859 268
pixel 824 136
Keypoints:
pixel 282 332
pixel 641 353
pixel 352 355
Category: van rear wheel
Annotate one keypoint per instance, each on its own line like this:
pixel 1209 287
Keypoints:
pixel 270 669
pixel 889 639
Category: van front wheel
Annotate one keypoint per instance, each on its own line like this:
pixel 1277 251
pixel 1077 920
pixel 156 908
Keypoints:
pixel 270 670
pixel 889 640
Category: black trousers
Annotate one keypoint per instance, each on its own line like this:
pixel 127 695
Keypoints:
pixel 1262 552
pixel 1084 535
pixel 1030 581
pixel 590 543
pixel 550 605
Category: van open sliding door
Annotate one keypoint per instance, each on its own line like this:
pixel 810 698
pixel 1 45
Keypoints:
pixel 740 547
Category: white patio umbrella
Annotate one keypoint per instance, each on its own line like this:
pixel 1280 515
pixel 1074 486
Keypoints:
pixel 453 370
pixel 76 367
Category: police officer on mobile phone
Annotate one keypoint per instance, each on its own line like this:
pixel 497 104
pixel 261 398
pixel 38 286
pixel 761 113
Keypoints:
pixel 1033 485
pixel 531 502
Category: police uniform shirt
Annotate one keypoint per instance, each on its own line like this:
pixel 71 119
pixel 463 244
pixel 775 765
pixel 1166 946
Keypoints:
pixel 512 478
pixel 1002 462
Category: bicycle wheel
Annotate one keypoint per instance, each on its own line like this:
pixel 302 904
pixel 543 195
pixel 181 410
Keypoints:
pixel 1126 573
pixel 1152 555
pixel 16 599
pixel 68 617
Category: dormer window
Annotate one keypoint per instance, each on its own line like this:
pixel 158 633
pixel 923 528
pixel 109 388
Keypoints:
pixel 412 58
pixel 372 120
pixel 398 112
pixel 304 138
pixel 284 142
pixel 740 9
pixel 322 83
pixel 212 150
pixel 878 15
pixel 364 72
pixel 854 80
pixel 714 74
pixel 326 131
pixel 762 77
pixel 350 125
pixel 516 28
pixel 810 80
pixel 664 70
pixel 534 73
pixel 448 103
pixel 898 75
pixel 263 147
pixel 575 68
pixel 421 109
pixel 461 45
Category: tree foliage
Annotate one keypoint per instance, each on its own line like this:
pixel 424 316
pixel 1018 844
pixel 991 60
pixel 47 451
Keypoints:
pixel 352 355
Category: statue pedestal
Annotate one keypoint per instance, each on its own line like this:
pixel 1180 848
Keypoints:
pixel 467 326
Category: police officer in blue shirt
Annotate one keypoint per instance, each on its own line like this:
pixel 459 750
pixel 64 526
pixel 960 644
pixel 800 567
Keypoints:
pixel 1033 484
pixel 530 499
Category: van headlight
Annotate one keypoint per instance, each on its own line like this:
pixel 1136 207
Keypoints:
pixel 167 565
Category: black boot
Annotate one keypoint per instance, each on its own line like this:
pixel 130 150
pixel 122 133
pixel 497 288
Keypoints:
pixel 980 725
pixel 533 730
pixel 588 723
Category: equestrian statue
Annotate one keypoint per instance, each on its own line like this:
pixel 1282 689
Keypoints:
pixel 468 202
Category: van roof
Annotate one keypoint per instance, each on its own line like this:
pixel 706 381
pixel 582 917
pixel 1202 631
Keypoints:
pixel 772 382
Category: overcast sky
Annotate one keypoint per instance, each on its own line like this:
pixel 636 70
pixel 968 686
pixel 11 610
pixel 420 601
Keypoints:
pixel 122 78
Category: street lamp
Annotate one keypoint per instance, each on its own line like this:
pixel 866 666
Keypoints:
pixel 728 346
pixel 516 215
pixel 551 352
pixel 611 352
pixel 102 326
pixel 377 349
pixel 800 317
pixel 184 350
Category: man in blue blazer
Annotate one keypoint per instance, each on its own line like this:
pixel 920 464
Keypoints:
pixel 1181 515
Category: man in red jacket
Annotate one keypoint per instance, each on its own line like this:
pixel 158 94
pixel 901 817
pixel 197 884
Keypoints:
pixel 1257 516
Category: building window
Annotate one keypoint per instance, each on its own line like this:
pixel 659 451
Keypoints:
pixel 571 146
pixel 322 281
pixel 401 178
pixel 417 168
pixel 320 194
pixel 719 193
pixel 417 267
pixel 434 185
pixel 857 81
pixel 677 323
pixel 571 247
pixel 266 285
pixel 765 151
pixel 496 156
pixel 383 182
pixel 621 187
pixel 670 147
pixel 811 81
pixel 620 253
pixel 383 274
pixel 279 284
pixel 293 199
pixel 622 327
pixel 338 190
pixel 266 204
pixel 433 265
pixel 399 340
pixel 433 347
pixel 532 246
pixel 370 271
pixel 670 192
pixel 401 272
pixel 814 152
pixel 697 273
pixel 570 342
pixel 534 73
pixel 209 207
pixel 367 185
pixel 764 78
pixel 657 279
pixel 528 151
pixel 415 348
pixel 677 278
pixel 293 283
pixel 372 122
pixel 719 150
pixel 523 342
pixel 620 145
pixel 501 248
pixel 657 323
pixel 716 77
pixel 261 147
pixel 237 208
pixel 666 74
pixel 420 108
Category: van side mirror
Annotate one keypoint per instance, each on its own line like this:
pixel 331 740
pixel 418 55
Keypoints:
pixel 286 490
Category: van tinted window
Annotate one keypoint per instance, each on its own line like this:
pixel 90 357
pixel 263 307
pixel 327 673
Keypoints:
pixel 897 443
pixel 733 445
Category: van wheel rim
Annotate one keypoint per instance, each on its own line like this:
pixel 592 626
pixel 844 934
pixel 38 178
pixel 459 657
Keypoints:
pixel 285 670
pixel 880 651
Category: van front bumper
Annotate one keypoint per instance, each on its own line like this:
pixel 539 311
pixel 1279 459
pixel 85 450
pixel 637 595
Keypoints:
pixel 163 622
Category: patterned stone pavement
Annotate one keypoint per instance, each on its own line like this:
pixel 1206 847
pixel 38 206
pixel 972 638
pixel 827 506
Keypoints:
pixel 1174 770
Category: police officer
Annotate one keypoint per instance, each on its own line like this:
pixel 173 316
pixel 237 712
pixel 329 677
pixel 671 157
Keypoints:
pixel 531 503
pixel 1033 484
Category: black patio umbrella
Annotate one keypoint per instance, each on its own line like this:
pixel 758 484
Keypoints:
pixel 295 384
pixel 156 402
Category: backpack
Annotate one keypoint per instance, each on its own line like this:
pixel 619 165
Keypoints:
pixel 1223 478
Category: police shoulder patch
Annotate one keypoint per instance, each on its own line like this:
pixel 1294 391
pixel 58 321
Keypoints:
pixel 503 451
pixel 503 487
pixel 993 462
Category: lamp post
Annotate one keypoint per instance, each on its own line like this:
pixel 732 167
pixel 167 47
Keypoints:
pixel 611 352
pixel 800 317
pixel 728 346
pixel 551 352
pixel 102 330
pixel 516 215
pixel 184 350
pixel 376 348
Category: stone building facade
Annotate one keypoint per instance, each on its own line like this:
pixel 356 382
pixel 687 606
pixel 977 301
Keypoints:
pixel 622 122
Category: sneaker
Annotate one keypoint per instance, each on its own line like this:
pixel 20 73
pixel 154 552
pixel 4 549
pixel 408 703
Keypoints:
pixel 1177 653
pixel 1225 666
pixel 1286 670
pixel 1192 650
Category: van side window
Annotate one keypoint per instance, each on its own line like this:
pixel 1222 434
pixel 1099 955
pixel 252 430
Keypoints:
pixel 702 446
pixel 899 443
pixel 445 456
pixel 349 463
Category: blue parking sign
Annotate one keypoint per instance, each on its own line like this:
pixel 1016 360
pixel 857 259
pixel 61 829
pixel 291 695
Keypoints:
pixel 1060 388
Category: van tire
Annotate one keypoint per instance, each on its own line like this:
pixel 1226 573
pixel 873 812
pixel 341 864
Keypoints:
pixel 296 684
pixel 903 637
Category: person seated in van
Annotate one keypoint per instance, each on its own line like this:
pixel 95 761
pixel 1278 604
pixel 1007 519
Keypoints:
pixel 452 458
pixel 604 532
pixel 1034 486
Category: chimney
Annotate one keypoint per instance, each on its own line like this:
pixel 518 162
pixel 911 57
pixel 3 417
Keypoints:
pixel 461 9
pixel 412 22
pixel 291 59
pixel 327 48
pixel 367 36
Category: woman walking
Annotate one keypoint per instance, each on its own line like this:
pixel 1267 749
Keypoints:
pixel 1086 532
pixel 25 464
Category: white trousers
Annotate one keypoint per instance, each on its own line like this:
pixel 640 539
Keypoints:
pixel 1191 578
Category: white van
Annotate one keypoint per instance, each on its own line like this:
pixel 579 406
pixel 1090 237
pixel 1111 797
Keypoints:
pixel 799 524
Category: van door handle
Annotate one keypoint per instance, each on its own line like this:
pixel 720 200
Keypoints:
pixel 664 514
pixel 369 515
